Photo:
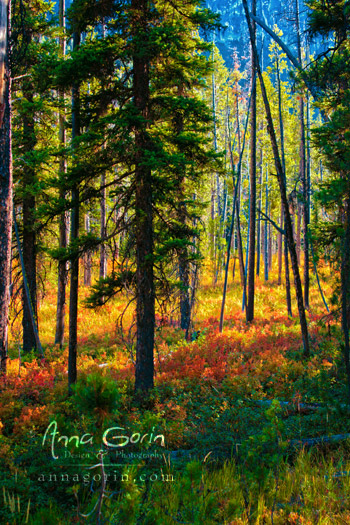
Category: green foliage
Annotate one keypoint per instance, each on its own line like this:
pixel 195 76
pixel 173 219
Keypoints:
pixel 105 289
pixel 97 394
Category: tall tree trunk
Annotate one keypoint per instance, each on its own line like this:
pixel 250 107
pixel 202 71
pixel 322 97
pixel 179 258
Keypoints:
pixel 270 241
pixel 29 233
pixel 238 202
pixel 280 238
pixel 345 289
pixel 283 192
pixel 258 237
pixel 240 244
pixel 103 210
pixel 287 277
pixel 184 276
pixel 183 255
pixel 266 244
pixel 298 233
pixel 74 234
pixel 285 245
pixel 87 255
pixel 212 230
pixel 216 190
pixel 252 170
pixel 5 178
pixel 63 226
pixel 145 292
pixel 302 170
pixel 279 248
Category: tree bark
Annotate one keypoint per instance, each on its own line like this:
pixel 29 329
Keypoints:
pixel 29 233
pixel 252 173
pixel 184 276
pixel 74 234
pixel 5 178
pixel 87 255
pixel 63 226
pixel 266 245
pixel 279 248
pixel 345 273
pixel 103 210
pixel 258 237
pixel 302 170
pixel 145 291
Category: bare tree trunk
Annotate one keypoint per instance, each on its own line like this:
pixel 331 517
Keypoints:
pixel 252 211
pixel 258 238
pixel 29 233
pixel 266 244
pixel 281 183
pixel 87 256
pixel 238 205
pixel 74 277
pixel 184 275
pixel 298 233
pixel 145 292
pixel 302 171
pixel 240 247
pixel 270 242
pixel 286 262
pixel 345 273
pixel 63 226
pixel 103 213
pixel 5 178
pixel 103 208
pixel 212 231
pixel 279 248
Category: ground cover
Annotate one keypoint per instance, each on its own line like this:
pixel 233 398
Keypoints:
pixel 241 429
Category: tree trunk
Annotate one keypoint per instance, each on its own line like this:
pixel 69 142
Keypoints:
pixel 270 241
pixel 63 226
pixel 184 275
pixel 298 242
pixel 103 209
pixel 302 171
pixel 29 233
pixel 285 244
pixel 87 256
pixel 279 248
pixel 345 273
pixel 5 178
pixel 145 292
pixel 74 234
pixel 240 244
pixel 252 170
pixel 266 245
pixel 258 237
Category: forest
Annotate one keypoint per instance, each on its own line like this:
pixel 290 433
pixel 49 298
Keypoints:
pixel 174 262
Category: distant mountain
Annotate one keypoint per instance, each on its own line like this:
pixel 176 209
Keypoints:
pixel 235 36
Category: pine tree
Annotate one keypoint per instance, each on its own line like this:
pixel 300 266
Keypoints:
pixel 129 109
pixel 330 74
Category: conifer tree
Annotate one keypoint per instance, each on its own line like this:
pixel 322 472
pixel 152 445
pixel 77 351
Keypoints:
pixel 130 110
pixel 330 75
pixel 30 145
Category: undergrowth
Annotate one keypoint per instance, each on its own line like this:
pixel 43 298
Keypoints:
pixel 240 428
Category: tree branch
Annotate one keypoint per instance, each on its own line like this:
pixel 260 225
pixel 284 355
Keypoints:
pixel 282 232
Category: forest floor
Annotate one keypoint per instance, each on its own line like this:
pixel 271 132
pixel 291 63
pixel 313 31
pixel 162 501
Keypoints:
pixel 241 428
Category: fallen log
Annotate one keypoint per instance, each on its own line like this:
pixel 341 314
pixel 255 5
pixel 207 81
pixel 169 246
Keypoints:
pixel 221 453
